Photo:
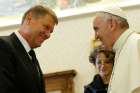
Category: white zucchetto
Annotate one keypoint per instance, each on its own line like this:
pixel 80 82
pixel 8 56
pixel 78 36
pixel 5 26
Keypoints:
pixel 115 10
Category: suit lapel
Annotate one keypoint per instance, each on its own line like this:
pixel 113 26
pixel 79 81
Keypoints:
pixel 20 50
pixel 27 61
pixel 21 55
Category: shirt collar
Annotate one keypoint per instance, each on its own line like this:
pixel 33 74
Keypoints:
pixel 121 40
pixel 23 41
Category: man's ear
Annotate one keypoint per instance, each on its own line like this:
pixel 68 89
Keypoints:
pixel 113 24
pixel 29 18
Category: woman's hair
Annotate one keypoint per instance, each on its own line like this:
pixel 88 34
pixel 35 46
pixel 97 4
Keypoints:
pixel 109 55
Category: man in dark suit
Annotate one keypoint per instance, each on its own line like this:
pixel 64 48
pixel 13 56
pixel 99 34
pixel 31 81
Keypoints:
pixel 19 69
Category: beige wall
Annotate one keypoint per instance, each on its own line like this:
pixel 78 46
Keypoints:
pixel 69 46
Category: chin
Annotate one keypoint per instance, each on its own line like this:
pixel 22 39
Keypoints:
pixel 102 74
pixel 108 48
pixel 37 46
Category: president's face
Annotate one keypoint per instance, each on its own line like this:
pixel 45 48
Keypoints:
pixel 41 30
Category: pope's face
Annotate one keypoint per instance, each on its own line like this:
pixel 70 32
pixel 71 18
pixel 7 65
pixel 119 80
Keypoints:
pixel 102 31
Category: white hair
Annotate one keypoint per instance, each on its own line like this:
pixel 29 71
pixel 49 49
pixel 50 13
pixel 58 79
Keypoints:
pixel 107 16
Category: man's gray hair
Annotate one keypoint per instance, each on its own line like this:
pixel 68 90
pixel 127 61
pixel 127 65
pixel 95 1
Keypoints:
pixel 107 16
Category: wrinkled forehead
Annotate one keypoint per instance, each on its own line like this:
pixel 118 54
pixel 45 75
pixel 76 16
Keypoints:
pixel 97 20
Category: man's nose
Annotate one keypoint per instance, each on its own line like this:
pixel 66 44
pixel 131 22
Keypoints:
pixel 47 34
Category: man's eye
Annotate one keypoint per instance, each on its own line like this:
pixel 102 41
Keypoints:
pixel 46 27
pixel 95 28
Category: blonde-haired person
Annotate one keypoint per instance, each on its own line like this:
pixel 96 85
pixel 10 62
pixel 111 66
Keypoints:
pixel 19 68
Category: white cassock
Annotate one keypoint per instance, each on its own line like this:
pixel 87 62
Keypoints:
pixel 126 72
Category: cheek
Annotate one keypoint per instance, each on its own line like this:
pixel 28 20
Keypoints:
pixel 109 68
pixel 37 38
pixel 100 34
pixel 101 31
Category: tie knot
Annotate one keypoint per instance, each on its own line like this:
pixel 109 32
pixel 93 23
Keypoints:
pixel 32 53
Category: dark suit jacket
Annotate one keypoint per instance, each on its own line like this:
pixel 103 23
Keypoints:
pixel 96 86
pixel 17 74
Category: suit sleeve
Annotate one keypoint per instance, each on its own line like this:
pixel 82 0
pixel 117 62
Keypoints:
pixel 7 70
